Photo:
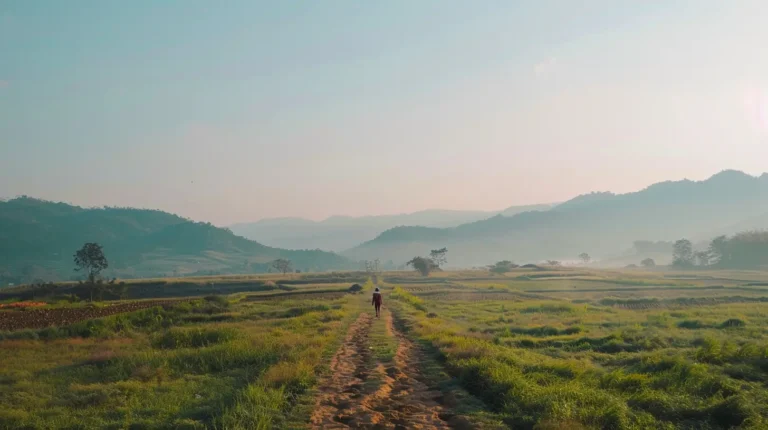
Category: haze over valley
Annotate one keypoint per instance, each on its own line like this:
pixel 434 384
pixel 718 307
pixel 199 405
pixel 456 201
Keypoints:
pixel 38 236
pixel 339 233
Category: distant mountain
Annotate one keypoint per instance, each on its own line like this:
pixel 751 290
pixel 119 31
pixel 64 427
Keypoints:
pixel 513 210
pixel 600 224
pixel 338 233
pixel 38 238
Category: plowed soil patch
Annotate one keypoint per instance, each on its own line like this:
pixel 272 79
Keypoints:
pixel 41 318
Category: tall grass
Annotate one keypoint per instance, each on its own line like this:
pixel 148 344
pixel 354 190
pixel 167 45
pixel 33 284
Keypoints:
pixel 404 296
pixel 560 365
pixel 171 368
pixel 256 408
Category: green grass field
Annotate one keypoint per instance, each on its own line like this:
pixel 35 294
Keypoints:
pixel 218 362
pixel 557 349
pixel 603 350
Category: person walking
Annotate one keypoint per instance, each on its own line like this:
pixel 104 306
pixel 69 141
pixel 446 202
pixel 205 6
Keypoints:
pixel 376 301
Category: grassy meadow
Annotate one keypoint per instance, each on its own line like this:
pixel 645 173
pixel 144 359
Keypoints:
pixel 618 350
pixel 239 362
pixel 538 349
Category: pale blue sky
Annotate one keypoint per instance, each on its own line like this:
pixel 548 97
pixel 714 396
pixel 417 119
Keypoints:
pixel 237 110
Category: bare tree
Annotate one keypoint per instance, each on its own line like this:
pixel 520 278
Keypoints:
pixel 585 258
pixel 372 269
pixel 282 265
pixel 438 256
pixel 371 266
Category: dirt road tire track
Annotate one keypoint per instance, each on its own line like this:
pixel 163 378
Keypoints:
pixel 342 390
pixel 402 400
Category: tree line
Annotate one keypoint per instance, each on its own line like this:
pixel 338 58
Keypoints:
pixel 745 250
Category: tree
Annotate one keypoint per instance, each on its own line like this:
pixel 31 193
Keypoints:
pixel 718 250
pixel 554 263
pixel 702 257
pixel 282 265
pixel 91 260
pixel 423 265
pixel 372 269
pixel 585 258
pixel 502 267
pixel 372 266
pixel 648 262
pixel 746 250
pixel 438 256
pixel 682 253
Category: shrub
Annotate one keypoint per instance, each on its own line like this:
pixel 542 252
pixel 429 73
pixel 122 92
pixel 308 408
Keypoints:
pixel 732 322
pixel 573 330
pixel 710 351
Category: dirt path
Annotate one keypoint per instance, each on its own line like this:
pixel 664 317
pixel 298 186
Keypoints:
pixel 362 394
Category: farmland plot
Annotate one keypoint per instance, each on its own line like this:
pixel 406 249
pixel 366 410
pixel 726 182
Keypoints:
pixel 203 363
pixel 691 358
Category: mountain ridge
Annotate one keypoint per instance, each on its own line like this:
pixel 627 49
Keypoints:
pixel 598 223
pixel 340 232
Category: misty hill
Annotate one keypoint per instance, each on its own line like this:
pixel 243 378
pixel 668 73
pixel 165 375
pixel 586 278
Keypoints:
pixel 338 233
pixel 601 224
pixel 38 238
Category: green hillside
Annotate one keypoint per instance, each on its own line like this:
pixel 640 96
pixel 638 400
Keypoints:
pixel 38 238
